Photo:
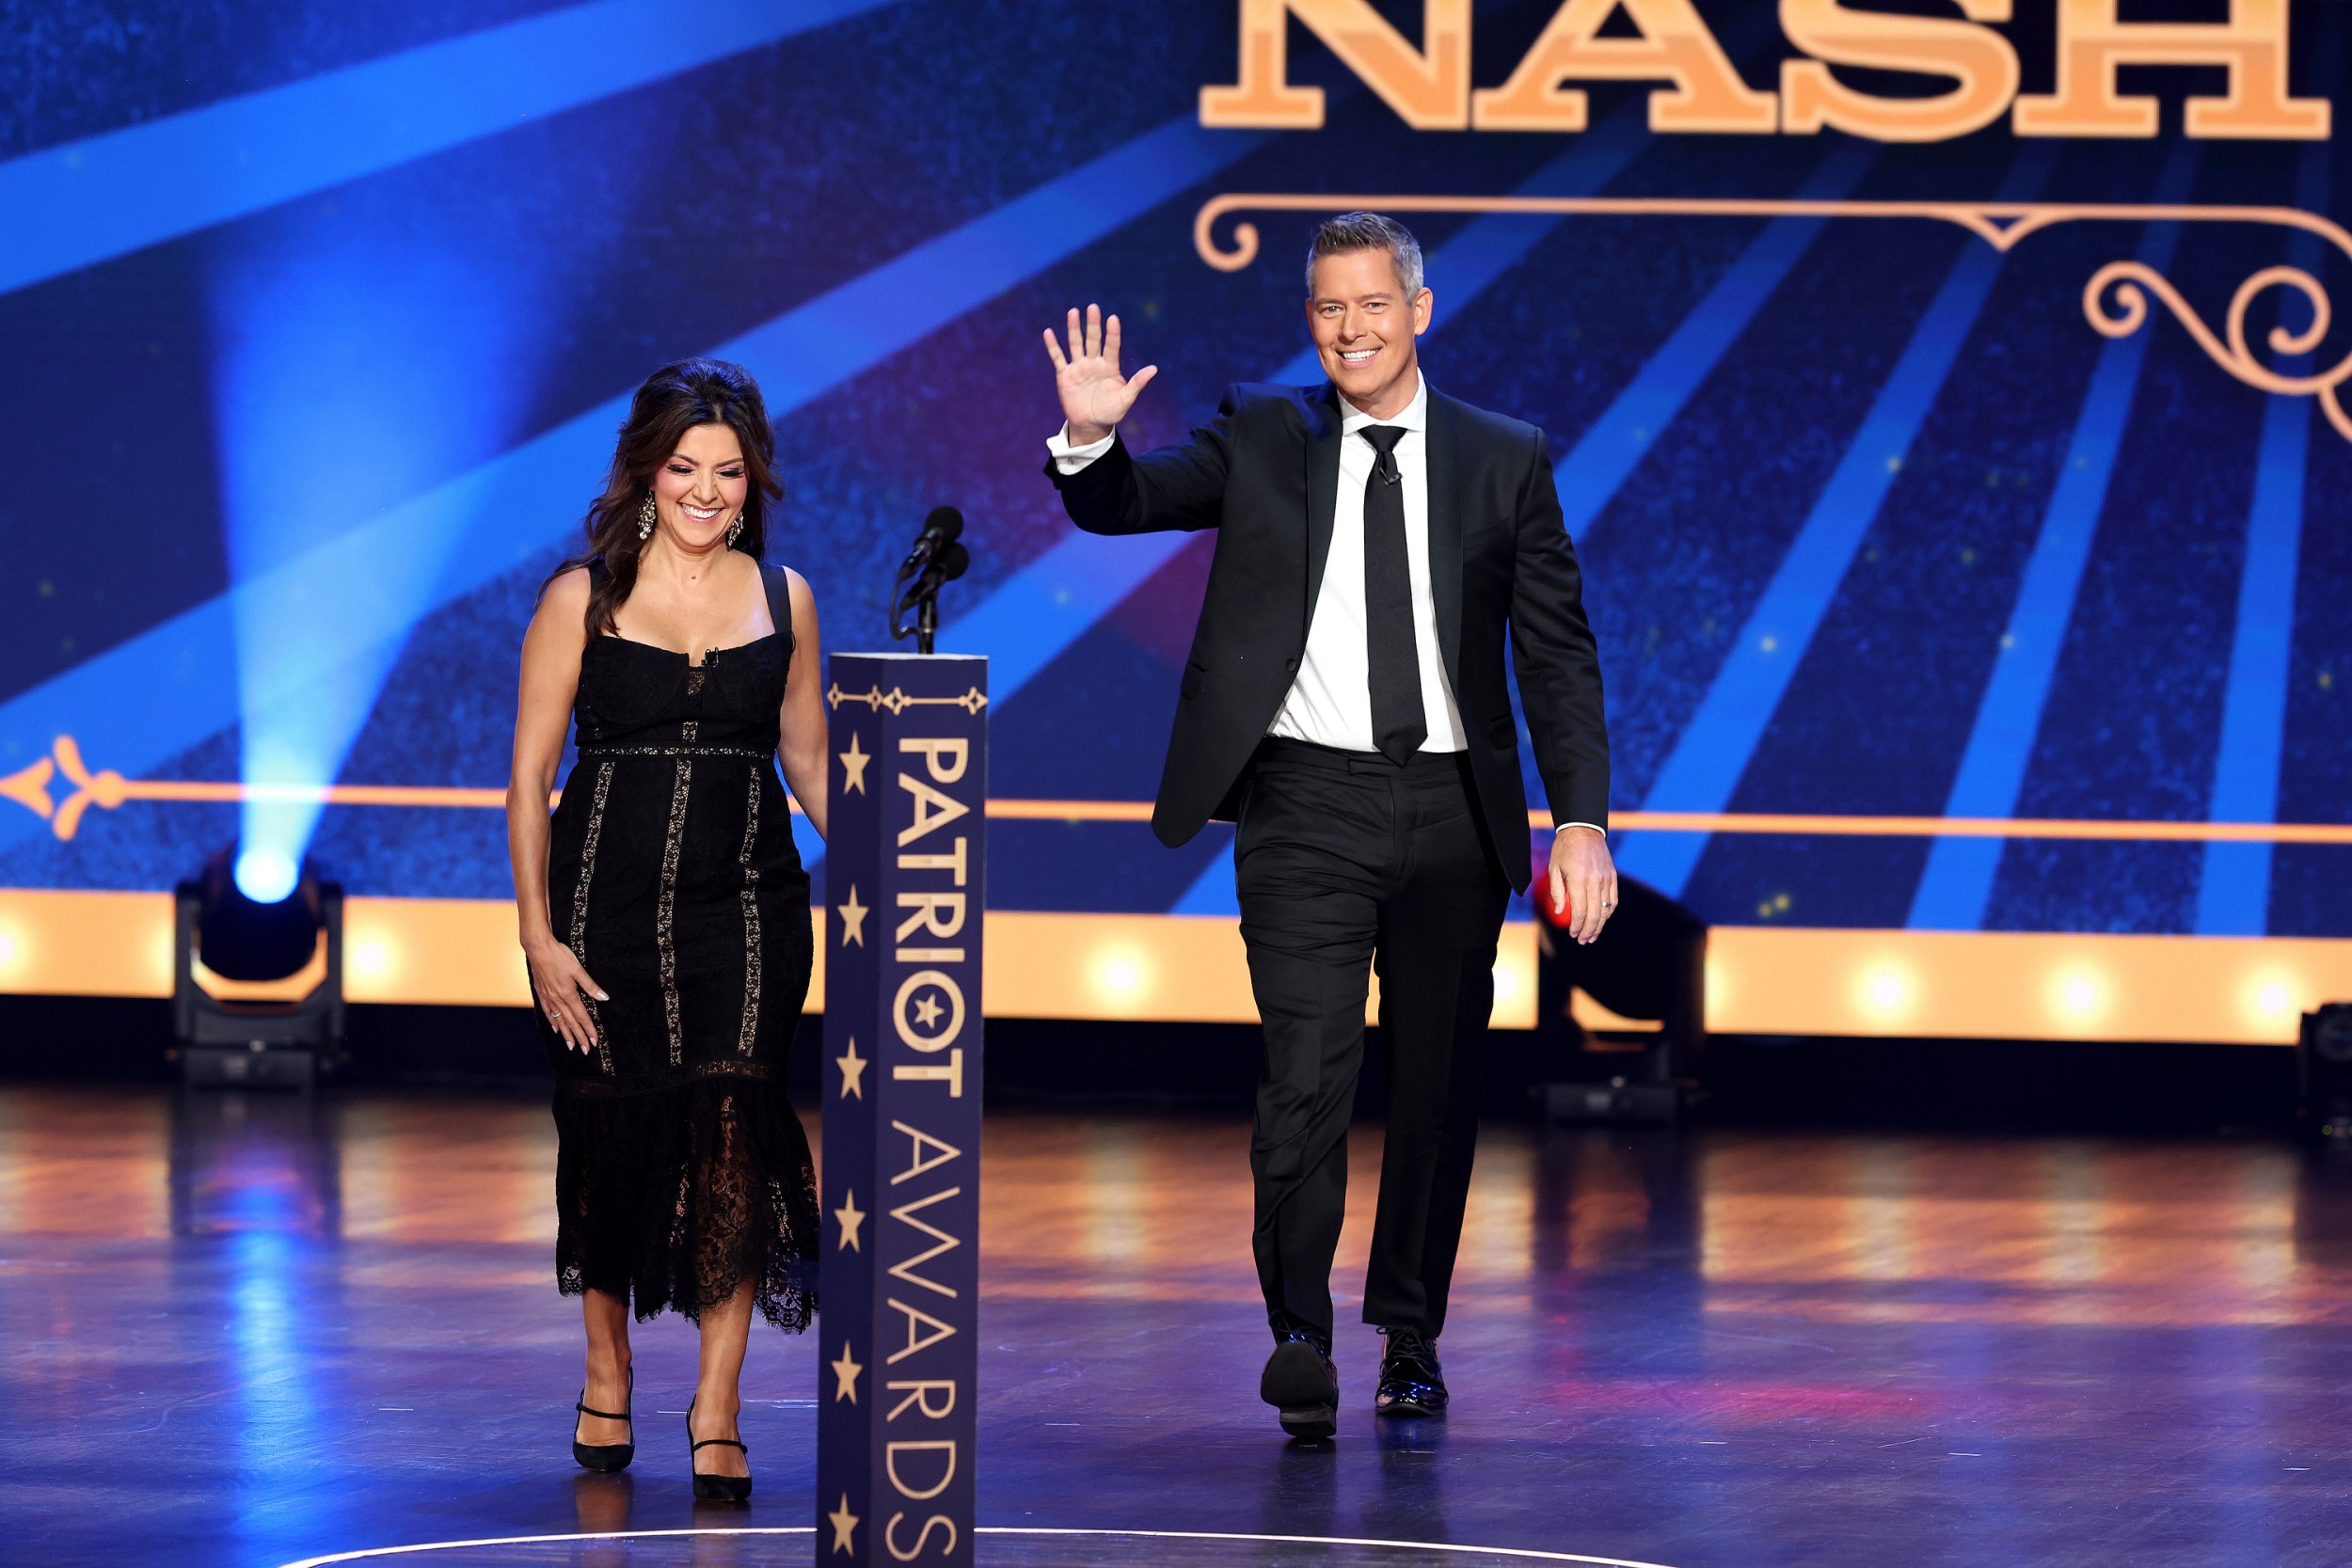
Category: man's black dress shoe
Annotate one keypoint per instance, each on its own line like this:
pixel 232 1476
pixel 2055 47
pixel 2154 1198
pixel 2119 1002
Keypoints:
pixel 1303 1386
pixel 1411 1382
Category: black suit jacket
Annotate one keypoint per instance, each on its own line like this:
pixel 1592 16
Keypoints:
pixel 1264 473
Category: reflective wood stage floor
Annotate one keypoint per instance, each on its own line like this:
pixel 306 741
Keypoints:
pixel 248 1331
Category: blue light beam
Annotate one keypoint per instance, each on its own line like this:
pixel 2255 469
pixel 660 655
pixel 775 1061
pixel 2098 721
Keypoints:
pixel 154 696
pixel 86 201
pixel 341 354
pixel 1956 885
pixel 1713 751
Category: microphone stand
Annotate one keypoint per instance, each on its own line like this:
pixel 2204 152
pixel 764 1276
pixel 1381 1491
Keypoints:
pixel 926 621
pixel 922 598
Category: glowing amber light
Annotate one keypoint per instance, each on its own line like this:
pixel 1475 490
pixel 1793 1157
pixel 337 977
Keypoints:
pixel 1887 992
pixel 1121 975
pixel 1512 988
pixel 370 959
pixel 2274 1000
pixel 2080 995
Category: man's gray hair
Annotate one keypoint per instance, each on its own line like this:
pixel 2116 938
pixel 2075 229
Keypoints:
pixel 1367 231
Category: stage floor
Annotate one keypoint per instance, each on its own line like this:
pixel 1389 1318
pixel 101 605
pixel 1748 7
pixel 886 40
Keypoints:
pixel 244 1330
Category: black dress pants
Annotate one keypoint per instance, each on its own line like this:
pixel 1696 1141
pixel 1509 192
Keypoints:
pixel 1346 862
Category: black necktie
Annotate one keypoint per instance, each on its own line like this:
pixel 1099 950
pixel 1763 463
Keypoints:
pixel 1399 722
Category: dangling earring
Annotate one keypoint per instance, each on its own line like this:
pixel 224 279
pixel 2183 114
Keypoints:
pixel 735 529
pixel 645 515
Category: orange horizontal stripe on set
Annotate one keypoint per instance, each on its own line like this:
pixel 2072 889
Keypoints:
pixel 1974 827
pixel 1644 821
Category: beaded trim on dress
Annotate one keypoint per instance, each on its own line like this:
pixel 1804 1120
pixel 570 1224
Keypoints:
pixel 665 910
pixel 579 907
pixel 749 1034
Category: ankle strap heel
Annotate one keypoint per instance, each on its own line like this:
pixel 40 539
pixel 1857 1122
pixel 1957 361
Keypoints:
pixel 716 1489
pixel 605 1457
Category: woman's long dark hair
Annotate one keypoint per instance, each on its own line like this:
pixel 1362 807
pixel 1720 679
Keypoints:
pixel 673 400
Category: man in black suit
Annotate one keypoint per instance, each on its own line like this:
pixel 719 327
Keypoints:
pixel 1345 706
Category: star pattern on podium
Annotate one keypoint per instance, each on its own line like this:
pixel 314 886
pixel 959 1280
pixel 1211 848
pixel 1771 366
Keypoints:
pixel 852 1068
pixel 853 762
pixel 844 1527
pixel 850 1216
pixel 854 920
pixel 927 1011
pixel 845 1373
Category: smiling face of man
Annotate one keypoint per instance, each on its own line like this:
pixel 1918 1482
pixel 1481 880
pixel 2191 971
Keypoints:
pixel 1364 327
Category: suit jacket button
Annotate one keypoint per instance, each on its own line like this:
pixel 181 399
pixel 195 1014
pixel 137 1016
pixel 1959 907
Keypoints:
pixel 1291 668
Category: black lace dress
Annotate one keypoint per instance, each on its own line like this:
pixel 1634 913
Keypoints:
pixel 681 1169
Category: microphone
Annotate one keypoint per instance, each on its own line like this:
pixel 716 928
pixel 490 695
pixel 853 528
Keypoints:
pixel 940 530
pixel 936 560
pixel 951 563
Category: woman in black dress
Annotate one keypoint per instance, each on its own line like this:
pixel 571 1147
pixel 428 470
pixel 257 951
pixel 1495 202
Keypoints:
pixel 664 911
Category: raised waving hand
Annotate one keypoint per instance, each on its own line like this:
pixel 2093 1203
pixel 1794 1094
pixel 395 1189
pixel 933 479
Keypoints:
pixel 1094 396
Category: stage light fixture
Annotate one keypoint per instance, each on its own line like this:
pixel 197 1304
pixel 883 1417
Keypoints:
pixel 2323 1069
pixel 266 876
pixel 1648 962
pixel 235 1037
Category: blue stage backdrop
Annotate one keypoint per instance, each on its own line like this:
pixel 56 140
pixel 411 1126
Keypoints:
pixel 319 320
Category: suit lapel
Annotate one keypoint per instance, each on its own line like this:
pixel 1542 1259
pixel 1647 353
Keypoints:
pixel 1445 532
pixel 1322 487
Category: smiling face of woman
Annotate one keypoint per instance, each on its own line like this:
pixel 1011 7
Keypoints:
pixel 700 488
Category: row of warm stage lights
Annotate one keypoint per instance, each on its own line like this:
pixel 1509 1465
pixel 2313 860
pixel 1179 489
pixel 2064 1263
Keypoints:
pixel 1889 993
pixel 1121 977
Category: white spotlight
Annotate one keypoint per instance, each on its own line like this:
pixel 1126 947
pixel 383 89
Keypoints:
pixel 266 876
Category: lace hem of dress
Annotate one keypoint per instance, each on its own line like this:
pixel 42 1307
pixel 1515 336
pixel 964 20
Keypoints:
pixel 672 1201
pixel 664 1080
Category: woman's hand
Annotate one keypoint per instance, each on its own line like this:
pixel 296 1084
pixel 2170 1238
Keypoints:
pixel 562 987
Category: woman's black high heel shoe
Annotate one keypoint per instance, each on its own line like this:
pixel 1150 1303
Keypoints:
pixel 716 1489
pixel 605 1457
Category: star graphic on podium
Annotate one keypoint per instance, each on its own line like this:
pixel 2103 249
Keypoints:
pixel 846 1370
pixel 927 1011
pixel 853 762
pixel 850 1216
pixel 844 1525
pixel 854 920
pixel 852 1072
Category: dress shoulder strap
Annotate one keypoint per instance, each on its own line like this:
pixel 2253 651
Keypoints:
pixel 779 588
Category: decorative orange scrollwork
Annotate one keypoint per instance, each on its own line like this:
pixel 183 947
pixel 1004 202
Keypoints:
pixel 29 787
pixel 2131 282
pixel 896 700
pixel 2115 301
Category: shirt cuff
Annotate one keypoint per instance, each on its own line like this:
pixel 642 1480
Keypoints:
pixel 1069 459
pixel 1595 825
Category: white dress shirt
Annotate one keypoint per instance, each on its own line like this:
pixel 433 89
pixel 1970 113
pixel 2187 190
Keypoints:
pixel 1330 698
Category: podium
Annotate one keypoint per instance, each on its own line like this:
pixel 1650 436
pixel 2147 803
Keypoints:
pixel 899 1273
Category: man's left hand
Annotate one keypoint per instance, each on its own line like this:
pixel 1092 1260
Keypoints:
pixel 1583 880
